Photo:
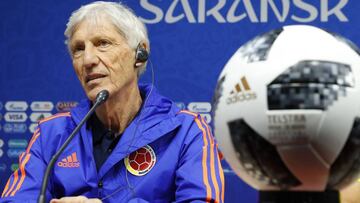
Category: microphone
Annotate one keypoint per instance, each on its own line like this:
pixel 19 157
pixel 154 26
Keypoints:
pixel 101 97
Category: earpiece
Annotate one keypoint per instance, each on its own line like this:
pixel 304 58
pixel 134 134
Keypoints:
pixel 141 55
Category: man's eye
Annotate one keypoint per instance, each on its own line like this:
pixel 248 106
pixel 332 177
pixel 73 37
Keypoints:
pixel 103 43
pixel 77 50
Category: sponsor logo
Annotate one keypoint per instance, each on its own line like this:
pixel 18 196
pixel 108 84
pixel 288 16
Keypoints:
pixel 69 162
pixel 14 167
pixel 32 127
pixel 1 143
pixel 2 167
pixel 227 11
pixel 287 128
pixel 42 106
pixel 141 161
pixel 35 117
pixel 1 153
pixel 16 106
pixel 286 119
pixel 241 92
pixel 200 107
pixel 15 117
pixel 17 143
pixel 65 106
pixel 181 105
pixel 15 127
pixel 14 153
pixel 206 116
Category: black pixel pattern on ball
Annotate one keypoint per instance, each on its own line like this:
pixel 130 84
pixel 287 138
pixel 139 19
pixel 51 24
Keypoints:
pixel 260 158
pixel 310 84
pixel 258 48
pixel 218 93
pixel 346 167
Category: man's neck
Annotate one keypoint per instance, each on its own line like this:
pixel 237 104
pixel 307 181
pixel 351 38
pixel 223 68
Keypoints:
pixel 120 109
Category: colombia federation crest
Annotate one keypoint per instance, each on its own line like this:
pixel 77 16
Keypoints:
pixel 141 161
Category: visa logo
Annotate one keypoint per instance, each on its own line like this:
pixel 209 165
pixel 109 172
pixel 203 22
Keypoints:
pixel 15 127
pixel 15 117
pixel 14 153
pixel 16 106
pixel 200 107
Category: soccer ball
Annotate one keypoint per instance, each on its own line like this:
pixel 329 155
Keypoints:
pixel 286 110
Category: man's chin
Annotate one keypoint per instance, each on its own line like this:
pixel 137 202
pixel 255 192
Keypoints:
pixel 92 94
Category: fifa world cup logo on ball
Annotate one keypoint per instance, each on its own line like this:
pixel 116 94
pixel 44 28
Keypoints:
pixel 287 110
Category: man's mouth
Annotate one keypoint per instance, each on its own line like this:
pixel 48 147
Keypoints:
pixel 93 76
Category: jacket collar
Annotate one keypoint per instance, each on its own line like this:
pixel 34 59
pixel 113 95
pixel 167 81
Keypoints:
pixel 155 119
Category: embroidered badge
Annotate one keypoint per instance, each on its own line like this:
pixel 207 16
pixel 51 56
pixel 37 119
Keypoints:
pixel 141 161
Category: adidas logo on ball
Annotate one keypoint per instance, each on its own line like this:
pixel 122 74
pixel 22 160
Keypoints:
pixel 241 92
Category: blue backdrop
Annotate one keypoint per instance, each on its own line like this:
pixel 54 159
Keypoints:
pixel 191 41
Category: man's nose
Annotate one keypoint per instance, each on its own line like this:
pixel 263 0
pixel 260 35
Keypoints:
pixel 90 57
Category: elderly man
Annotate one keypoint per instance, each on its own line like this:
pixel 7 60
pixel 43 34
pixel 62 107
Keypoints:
pixel 138 146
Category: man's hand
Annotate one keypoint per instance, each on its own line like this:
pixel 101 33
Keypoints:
pixel 351 194
pixel 78 199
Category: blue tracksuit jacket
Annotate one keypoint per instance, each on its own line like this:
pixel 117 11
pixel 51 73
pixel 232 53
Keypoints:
pixel 164 155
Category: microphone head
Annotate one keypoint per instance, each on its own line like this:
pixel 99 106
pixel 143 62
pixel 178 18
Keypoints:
pixel 102 96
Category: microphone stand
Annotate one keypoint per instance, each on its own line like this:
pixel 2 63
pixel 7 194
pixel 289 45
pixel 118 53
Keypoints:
pixel 100 98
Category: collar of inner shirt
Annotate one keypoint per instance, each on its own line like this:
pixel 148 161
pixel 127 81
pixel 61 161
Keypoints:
pixel 101 135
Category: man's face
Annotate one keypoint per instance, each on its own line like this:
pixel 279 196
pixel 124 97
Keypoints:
pixel 102 58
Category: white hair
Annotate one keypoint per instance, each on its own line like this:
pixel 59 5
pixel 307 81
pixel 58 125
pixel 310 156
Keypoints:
pixel 123 18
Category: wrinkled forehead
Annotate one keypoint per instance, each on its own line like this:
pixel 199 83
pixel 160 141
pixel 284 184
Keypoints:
pixel 96 24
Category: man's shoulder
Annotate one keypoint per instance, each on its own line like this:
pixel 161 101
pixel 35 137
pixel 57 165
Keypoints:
pixel 59 120
pixel 193 121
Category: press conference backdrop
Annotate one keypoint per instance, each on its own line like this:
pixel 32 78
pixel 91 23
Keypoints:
pixel 191 41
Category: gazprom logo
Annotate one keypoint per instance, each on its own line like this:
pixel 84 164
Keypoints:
pixel 15 117
pixel 15 127
pixel 16 106
pixel 231 11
